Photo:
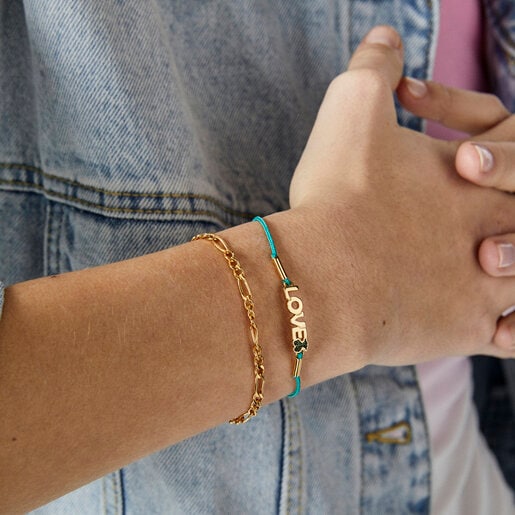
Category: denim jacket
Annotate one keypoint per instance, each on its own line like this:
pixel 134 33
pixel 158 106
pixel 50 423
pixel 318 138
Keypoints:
pixel 127 127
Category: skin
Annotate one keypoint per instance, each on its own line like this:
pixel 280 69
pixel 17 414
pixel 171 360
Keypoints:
pixel 492 128
pixel 381 236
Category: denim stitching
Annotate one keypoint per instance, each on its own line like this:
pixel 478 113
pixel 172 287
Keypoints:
pixel 122 490
pixel 115 492
pixel 290 454
pixel 301 464
pixel 50 254
pixel 104 496
pixel 283 452
pixel 53 230
pixel 62 196
pixel 58 241
pixel 361 453
pixel 48 239
pixel 290 405
pixel 127 194
pixel 428 441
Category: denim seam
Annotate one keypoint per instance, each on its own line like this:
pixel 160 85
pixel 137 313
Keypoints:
pixel 117 485
pixel 121 477
pixel 48 239
pixel 53 248
pixel 51 267
pixel 361 454
pixel 114 484
pixel 104 496
pixel 427 57
pixel 283 457
pixel 294 447
pixel 146 211
pixel 301 463
pixel 428 439
pixel 110 193
pixel 58 240
pixel 70 182
pixel 290 454
pixel 112 493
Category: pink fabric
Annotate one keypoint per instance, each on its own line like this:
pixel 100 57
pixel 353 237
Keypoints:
pixel 458 53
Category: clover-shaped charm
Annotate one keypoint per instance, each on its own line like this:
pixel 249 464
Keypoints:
pixel 300 345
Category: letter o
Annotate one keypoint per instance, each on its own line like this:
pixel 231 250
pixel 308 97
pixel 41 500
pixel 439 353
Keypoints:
pixel 298 309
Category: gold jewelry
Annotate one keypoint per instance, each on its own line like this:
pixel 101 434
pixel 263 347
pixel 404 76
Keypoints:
pixel 299 332
pixel 248 304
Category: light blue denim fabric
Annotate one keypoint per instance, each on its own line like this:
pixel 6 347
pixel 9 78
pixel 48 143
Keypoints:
pixel 127 127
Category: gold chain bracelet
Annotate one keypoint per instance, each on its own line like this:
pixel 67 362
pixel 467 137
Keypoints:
pixel 248 303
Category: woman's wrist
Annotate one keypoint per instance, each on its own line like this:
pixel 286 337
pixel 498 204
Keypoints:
pixel 141 354
pixel 319 264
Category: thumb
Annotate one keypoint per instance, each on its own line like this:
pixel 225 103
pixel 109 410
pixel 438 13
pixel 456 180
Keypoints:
pixel 381 51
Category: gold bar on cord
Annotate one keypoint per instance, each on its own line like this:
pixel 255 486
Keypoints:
pixel 298 366
pixel 280 269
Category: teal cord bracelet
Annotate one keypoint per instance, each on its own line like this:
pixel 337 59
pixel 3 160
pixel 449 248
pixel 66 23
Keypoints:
pixel 295 307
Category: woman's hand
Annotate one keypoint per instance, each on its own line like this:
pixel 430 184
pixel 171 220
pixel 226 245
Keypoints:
pixel 487 159
pixel 409 226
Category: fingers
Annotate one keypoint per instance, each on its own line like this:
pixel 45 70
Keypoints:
pixel 504 338
pixel 497 255
pixel 459 109
pixel 362 97
pixel 503 131
pixel 489 164
pixel 497 258
pixel 380 51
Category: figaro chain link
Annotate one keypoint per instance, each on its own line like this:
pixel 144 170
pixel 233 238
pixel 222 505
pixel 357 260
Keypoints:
pixel 248 303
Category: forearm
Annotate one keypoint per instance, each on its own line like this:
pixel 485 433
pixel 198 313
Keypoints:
pixel 103 366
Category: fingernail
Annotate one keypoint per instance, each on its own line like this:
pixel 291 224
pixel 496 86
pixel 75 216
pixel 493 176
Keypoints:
pixel 506 253
pixel 384 36
pixel 508 311
pixel 416 87
pixel 486 158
